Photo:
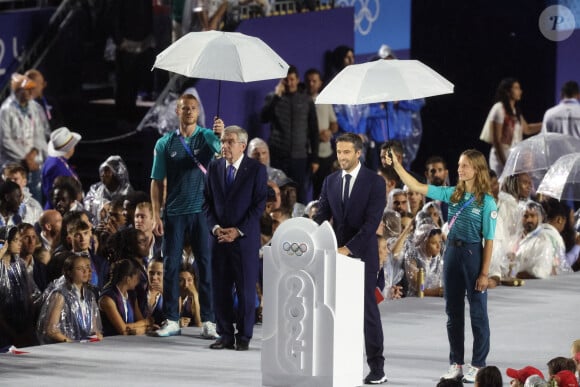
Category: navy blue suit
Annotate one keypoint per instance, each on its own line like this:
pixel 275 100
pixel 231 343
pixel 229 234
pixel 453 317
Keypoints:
pixel 235 263
pixel 355 227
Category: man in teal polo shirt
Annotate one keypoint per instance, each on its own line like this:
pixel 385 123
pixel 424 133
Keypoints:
pixel 182 158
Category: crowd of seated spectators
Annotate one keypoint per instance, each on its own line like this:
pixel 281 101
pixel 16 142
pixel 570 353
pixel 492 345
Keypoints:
pixel 78 271
pixel 91 252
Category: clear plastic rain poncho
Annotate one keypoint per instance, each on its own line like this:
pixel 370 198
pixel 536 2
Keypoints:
pixel 23 129
pixel 392 267
pixel 507 234
pixel 163 118
pixel 99 194
pixel 352 118
pixel 276 175
pixel 536 381
pixel 77 313
pixel 16 296
pixel 391 198
pixel 431 212
pixel 416 257
pixel 540 252
pixel 404 125
pixel 392 224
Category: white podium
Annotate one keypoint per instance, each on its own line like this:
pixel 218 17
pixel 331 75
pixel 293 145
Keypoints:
pixel 313 309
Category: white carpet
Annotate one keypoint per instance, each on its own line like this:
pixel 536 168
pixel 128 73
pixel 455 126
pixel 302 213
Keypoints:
pixel 529 326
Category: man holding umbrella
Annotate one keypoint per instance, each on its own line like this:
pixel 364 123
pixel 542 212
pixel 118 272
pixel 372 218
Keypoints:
pixel 181 157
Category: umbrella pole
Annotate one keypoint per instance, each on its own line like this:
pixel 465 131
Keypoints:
pixel 387 118
pixel 388 137
pixel 219 98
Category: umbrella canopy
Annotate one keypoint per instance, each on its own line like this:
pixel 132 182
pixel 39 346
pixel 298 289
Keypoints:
pixel 562 181
pixel 383 81
pixel 536 154
pixel 224 56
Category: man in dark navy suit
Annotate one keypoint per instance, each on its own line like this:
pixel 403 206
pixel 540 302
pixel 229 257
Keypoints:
pixel 235 198
pixel 354 198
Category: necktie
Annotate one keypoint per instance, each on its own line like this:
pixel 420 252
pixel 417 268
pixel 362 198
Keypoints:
pixel 230 176
pixel 346 192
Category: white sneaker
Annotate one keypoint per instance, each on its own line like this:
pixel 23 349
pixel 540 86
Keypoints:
pixel 455 372
pixel 208 331
pixel 470 374
pixel 168 328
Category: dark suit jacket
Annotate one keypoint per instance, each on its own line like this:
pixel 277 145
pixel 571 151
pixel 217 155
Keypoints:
pixel 356 226
pixel 242 205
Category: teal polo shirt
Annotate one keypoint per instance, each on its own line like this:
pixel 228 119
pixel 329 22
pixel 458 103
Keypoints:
pixel 475 222
pixel 185 180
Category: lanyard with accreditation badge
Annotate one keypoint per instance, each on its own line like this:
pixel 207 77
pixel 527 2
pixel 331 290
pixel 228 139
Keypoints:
pixel 188 150
pixel 452 221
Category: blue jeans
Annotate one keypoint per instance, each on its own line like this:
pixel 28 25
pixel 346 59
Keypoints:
pixel 461 269
pixel 175 229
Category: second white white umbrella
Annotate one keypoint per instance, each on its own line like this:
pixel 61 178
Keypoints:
pixel 384 81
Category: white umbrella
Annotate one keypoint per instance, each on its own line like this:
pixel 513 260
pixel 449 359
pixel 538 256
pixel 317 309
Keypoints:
pixel 383 81
pixel 562 181
pixel 223 56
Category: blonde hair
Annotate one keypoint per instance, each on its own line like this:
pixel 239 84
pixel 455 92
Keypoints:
pixel 575 347
pixel 481 185
pixel 185 97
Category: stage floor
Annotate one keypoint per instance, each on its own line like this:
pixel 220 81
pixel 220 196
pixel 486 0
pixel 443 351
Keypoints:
pixel 529 326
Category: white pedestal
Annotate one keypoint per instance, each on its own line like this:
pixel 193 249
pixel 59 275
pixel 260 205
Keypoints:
pixel 313 309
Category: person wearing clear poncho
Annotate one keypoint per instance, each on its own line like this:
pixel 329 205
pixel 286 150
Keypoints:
pixel 391 277
pixel 70 311
pixel 114 177
pixel 514 189
pixel 424 250
pixel 538 253
pixel 431 211
pixel 17 293
pixel 258 149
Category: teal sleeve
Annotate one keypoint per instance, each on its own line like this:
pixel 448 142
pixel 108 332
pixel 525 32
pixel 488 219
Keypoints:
pixel 489 217
pixel 212 140
pixel 440 193
pixel 159 169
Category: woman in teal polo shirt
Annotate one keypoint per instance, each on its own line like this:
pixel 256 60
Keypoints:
pixel 472 217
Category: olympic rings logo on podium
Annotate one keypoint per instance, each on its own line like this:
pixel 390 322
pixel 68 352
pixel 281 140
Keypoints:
pixel 295 248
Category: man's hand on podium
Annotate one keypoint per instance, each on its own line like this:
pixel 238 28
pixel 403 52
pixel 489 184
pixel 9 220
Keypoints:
pixel 344 251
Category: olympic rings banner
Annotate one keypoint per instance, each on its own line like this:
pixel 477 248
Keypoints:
pixel 378 22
